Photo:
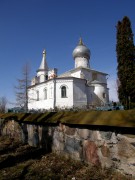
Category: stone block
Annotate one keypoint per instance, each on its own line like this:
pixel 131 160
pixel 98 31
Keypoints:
pixel 127 169
pixel 114 139
pixel 93 135
pixel 105 161
pixel 72 144
pixel 61 127
pixel 90 152
pixel 77 145
pixel 105 151
pixel 35 138
pixel 125 149
pixel 30 134
pixel 70 131
pixel 24 133
pixel 83 133
pixel 58 141
pixel 105 135
pixel 69 145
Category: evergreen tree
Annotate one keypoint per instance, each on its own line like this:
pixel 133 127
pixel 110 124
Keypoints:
pixel 21 89
pixel 126 63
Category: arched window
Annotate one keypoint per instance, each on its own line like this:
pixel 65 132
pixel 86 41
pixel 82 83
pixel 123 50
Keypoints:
pixel 104 95
pixel 45 93
pixel 94 76
pixel 37 95
pixel 63 92
pixel 46 77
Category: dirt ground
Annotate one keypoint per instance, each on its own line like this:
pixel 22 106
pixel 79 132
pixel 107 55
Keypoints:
pixel 19 162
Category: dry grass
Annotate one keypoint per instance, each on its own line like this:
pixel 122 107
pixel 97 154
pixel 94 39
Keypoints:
pixel 123 118
pixel 19 161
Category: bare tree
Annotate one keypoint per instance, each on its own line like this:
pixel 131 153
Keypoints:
pixel 21 88
pixel 3 103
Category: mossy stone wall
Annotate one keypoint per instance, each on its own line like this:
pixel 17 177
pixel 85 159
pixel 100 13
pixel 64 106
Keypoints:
pixel 98 145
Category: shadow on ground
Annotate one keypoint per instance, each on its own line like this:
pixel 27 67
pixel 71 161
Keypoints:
pixel 21 162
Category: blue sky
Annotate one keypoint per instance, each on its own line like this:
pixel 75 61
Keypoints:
pixel 29 26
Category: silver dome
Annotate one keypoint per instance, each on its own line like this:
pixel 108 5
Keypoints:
pixel 81 51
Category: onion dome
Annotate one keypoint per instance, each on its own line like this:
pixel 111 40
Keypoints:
pixel 81 50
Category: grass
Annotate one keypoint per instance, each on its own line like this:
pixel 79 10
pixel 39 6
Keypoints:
pixel 121 118
pixel 18 161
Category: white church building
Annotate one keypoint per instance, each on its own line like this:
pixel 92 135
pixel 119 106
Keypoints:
pixel 79 87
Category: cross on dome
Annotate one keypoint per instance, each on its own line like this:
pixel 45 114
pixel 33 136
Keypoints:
pixel 80 41
pixel 44 52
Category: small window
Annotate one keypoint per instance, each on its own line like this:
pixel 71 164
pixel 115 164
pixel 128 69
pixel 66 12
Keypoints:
pixel 46 77
pixel 104 95
pixel 37 95
pixel 45 93
pixel 63 92
pixel 37 80
pixel 94 76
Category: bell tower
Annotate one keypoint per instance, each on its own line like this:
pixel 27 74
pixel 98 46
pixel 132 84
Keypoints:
pixel 42 72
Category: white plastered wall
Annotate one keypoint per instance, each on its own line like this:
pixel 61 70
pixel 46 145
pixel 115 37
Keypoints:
pixel 80 94
pixel 68 100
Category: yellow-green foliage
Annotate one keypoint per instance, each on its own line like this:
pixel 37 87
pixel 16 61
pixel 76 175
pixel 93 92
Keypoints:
pixel 32 117
pixel 106 118
pixel 109 118
pixel 7 115
pixel 16 116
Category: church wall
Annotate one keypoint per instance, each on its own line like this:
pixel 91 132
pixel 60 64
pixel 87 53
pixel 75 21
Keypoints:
pixel 92 75
pixel 76 74
pixel 82 73
pixel 41 76
pixel 68 100
pixel 90 97
pixel 101 94
pixel 87 74
pixel 42 104
pixel 79 91
pixel 39 102
pixel 107 97
pixel 81 62
pixel 78 94
pixel 54 98
pixel 102 78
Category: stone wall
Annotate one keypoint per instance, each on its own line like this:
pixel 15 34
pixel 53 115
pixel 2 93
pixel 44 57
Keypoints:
pixel 98 145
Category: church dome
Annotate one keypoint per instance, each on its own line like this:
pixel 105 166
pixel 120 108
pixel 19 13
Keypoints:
pixel 81 51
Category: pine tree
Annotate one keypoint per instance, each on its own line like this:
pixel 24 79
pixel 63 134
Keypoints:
pixel 126 63
pixel 21 89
